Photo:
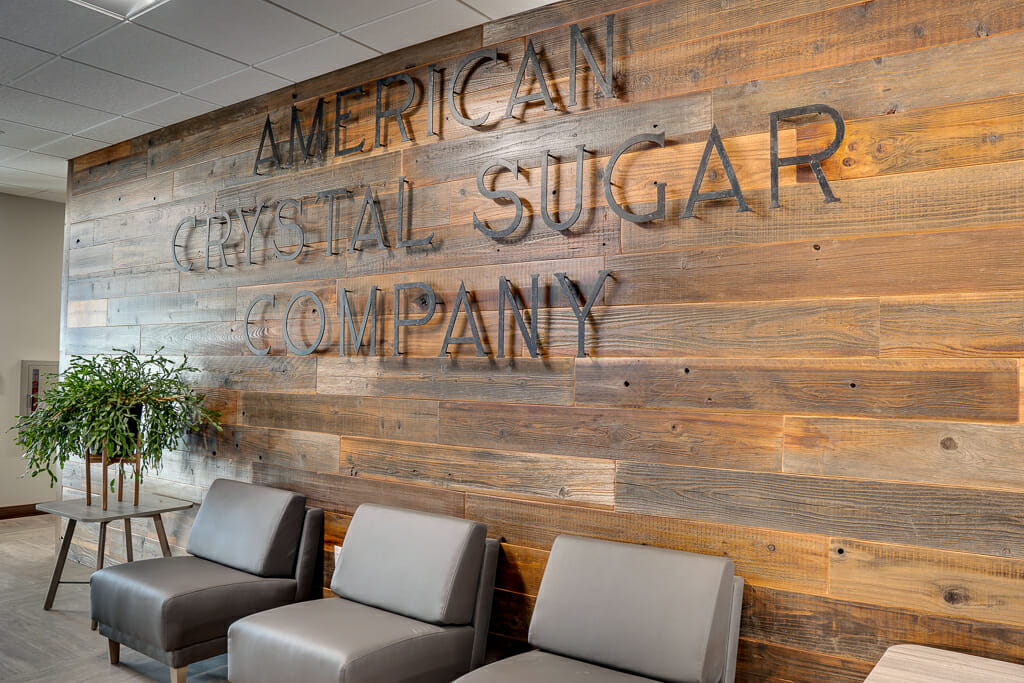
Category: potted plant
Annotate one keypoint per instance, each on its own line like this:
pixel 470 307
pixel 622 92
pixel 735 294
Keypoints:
pixel 113 409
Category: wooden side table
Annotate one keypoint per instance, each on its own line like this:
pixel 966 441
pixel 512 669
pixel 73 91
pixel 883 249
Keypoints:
pixel 77 511
pixel 920 664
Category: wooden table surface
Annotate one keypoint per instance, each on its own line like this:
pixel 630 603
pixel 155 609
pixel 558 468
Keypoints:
pixel 77 509
pixel 920 664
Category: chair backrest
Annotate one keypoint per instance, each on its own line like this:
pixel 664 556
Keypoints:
pixel 420 565
pixel 658 613
pixel 255 529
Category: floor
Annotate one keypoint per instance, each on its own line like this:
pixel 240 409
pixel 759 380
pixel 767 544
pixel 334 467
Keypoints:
pixel 38 646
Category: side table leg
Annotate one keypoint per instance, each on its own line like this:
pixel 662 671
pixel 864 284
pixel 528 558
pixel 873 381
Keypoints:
pixel 128 538
pixel 58 568
pixel 165 547
pixel 101 549
pixel 101 546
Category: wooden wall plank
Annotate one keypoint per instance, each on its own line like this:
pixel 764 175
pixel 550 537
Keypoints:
pixel 344 494
pixel 876 85
pixel 962 519
pixel 798 328
pixel 926 263
pixel 475 379
pixel 185 307
pixel 87 313
pixel 854 630
pixel 771 662
pixel 86 341
pixel 914 202
pixel 312 451
pixel 957 454
pixel 253 373
pixel 128 196
pixel 918 579
pixel 952 389
pixel 378 418
pixel 579 480
pixel 211 339
pixel 108 173
pixel 126 282
pixel 889 27
pixel 989 325
pixel 700 439
pixel 765 557
pixel 961 134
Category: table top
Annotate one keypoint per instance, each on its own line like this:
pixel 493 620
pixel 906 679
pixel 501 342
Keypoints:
pixel 76 508
pixel 920 664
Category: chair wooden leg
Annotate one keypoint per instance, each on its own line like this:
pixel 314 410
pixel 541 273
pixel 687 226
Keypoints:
pixel 114 650
pixel 178 674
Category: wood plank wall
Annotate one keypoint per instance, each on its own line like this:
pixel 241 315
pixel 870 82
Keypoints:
pixel 829 394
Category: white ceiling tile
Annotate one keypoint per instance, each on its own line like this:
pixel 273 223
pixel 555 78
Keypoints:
pixel 32 109
pixel 59 197
pixel 9 153
pixel 342 16
pixel 51 25
pixel 117 130
pixel 38 163
pixel 423 22
pixel 18 191
pixel 16 60
pixel 319 58
pixel 22 136
pixel 149 56
pixel 247 30
pixel 70 146
pixel 33 181
pixel 238 86
pixel 86 85
pixel 496 9
pixel 173 110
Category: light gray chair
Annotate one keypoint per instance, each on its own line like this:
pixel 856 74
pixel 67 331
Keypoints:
pixel 610 612
pixel 251 548
pixel 414 605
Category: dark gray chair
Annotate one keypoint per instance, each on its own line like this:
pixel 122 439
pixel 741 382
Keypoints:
pixel 251 548
pixel 610 612
pixel 414 605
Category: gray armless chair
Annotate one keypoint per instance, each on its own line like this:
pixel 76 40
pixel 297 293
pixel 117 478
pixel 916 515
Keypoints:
pixel 414 605
pixel 610 612
pixel 251 548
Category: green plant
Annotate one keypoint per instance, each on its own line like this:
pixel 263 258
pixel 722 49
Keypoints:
pixel 113 404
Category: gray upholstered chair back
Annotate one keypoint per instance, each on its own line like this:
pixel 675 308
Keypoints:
pixel 251 528
pixel 420 565
pixel 658 613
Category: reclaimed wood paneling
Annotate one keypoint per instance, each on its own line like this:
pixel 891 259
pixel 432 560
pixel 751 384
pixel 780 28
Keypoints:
pixel 470 379
pixel 958 454
pixel 963 519
pixel 829 394
pixel 585 481
pixel 763 556
pixel 690 438
pixel 954 584
pixel 958 389
pixel 378 418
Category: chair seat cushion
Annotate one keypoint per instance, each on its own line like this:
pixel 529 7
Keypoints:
pixel 338 640
pixel 174 602
pixel 544 667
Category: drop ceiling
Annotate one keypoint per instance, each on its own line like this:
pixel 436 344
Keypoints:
pixel 79 76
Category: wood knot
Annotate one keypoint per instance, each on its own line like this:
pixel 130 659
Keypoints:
pixel 955 596
pixel 948 444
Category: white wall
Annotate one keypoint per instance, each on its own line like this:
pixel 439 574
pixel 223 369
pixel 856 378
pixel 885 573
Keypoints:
pixel 31 242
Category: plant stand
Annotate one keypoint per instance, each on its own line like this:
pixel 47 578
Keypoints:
pixel 91 458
